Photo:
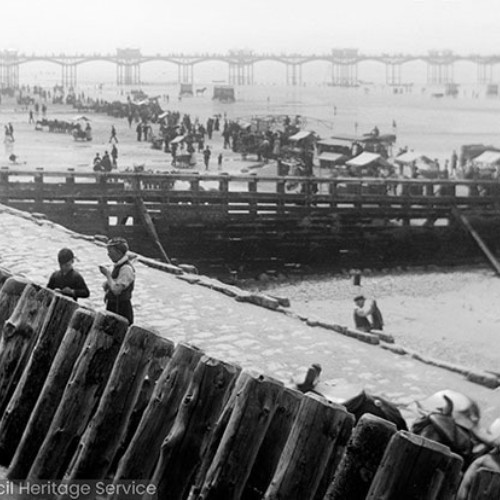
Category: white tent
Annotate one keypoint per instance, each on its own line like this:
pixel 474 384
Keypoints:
pixel 490 158
pixel 363 159
pixel 300 135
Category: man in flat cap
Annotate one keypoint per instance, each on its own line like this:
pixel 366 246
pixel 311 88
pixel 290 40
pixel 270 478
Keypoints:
pixel 119 283
pixel 66 280
pixel 363 313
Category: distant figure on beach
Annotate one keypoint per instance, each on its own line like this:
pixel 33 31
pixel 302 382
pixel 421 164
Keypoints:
pixel 66 280
pixel 219 161
pixel 138 130
pixel 120 281
pixel 97 163
pixel 113 138
pixel 114 156
pixel 206 156
pixel 367 316
pixel 106 162
pixel 31 118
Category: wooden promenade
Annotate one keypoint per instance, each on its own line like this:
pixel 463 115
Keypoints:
pixel 247 218
pixel 86 397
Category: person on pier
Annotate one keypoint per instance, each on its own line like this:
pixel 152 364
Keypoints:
pixel 120 281
pixel 66 280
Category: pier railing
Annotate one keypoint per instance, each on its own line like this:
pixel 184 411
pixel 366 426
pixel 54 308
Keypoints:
pixel 36 188
pixel 86 397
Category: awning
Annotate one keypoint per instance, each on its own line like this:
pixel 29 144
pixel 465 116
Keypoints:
pixel 178 139
pixel 331 157
pixel 80 118
pixel 300 135
pixel 163 115
pixel 411 156
pixel 488 157
pixel 363 159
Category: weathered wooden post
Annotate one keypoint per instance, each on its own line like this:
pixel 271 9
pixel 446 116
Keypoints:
pixel 245 431
pixel 185 444
pixel 10 293
pixel 141 456
pixel 412 468
pixel 272 446
pixel 310 444
pixel 25 396
pixel 217 433
pixel 50 397
pixel 335 458
pixel 485 486
pixel 159 360
pixel 39 189
pixel 362 457
pixel 81 396
pixel 5 274
pixel 101 439
pixel 19 335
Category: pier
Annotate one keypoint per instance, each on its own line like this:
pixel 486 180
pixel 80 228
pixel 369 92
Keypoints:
pixel 246 219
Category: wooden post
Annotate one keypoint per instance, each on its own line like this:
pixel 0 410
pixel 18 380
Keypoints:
pixel 272 446
pixel 335 458
pixel 19 335
pixel 88 379
pixel 24 398
pixel 159 360
pixel 217 433
pixel 452 479
pixel 185 444
pixel 102 437
pixel 245 431
pixel 412 468
pixel 486 485
pixel 362 457
pixel 139 460
pixel 5 274
pixel 150 227
pixel 312 440
pixel 10 293
pixel 39 188
pixel 50 397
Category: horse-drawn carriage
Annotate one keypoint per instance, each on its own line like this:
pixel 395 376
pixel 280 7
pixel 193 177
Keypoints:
pixel 81 131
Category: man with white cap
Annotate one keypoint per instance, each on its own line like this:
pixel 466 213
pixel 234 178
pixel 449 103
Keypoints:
pixel 120 281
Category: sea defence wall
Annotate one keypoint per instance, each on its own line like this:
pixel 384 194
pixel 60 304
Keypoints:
pixel 249 221
pixel 85 396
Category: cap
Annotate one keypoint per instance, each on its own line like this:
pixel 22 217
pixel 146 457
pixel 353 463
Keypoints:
pixel 119 243
pixel 65 255
pixel 359 297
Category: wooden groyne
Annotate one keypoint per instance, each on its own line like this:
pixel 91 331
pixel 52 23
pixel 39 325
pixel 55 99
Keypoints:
pixel 89 398
pixel 240 219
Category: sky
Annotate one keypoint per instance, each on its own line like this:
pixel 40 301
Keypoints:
pixel 264 26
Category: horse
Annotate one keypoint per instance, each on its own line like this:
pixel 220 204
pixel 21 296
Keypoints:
pixel 451 428
pixel 359 404
pixel 201 91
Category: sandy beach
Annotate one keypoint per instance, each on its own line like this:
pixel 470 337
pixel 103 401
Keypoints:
pixel 449 314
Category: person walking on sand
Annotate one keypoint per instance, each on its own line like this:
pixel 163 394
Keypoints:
pixel 364 312
pixel 66 280
pixel 113 138
pixel 219 161
pixel 206 156
pixel 120 281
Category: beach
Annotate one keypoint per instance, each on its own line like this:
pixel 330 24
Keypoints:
pixel 449 314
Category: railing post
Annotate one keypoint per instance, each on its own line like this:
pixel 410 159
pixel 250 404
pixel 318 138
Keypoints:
pixel 4 184
pixel 70 183
pixel 429 189
pixel 252 188
pixel 224 190
pixel 39 189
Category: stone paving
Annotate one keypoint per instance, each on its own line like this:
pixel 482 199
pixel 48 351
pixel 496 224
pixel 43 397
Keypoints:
pixel 254 337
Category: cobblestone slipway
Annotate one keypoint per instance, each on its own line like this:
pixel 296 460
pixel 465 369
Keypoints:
pixel 254 337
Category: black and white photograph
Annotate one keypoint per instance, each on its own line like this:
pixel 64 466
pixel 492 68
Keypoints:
pixel 250 250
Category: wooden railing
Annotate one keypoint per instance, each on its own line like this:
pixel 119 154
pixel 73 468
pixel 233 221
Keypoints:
pixel 86 397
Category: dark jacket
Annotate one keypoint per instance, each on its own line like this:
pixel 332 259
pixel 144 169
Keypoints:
pixel 73 279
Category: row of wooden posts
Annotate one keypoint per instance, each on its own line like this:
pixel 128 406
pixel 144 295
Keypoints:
pixel 85 396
